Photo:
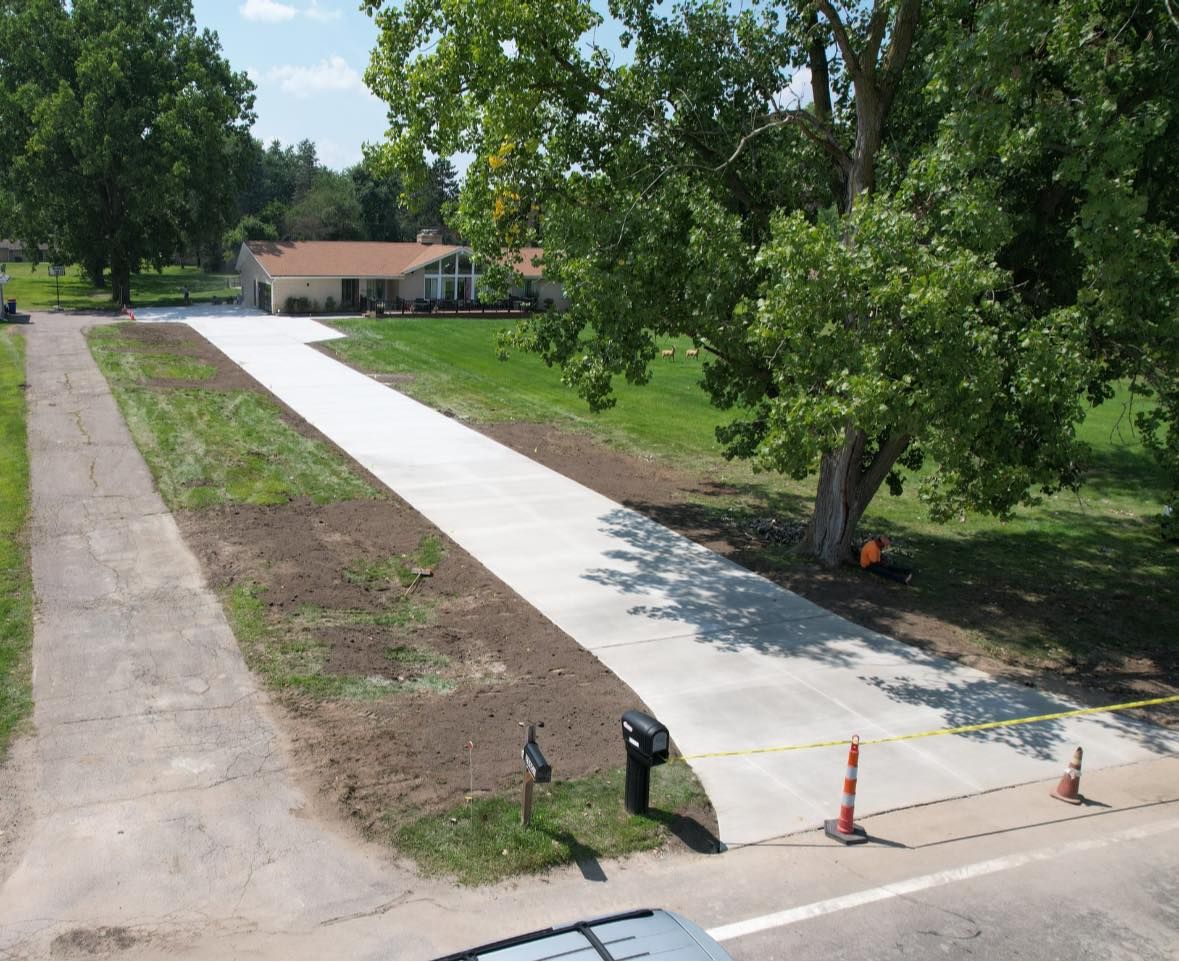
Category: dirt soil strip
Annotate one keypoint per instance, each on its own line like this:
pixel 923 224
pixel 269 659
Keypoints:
pixel 406 753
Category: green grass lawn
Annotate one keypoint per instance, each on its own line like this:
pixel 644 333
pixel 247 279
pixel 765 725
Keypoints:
pixel 454 365
pixel 34 290
pixel 16 587
pixel 214 447
pixel 483 840
pixel 1081 580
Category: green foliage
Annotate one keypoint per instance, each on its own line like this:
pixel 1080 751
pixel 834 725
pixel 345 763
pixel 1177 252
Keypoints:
pixel 328 210
pixel 248 228
pixel 16 582
pixel 120 119
pixel 216 447
pixel 483 841
pixel 970 229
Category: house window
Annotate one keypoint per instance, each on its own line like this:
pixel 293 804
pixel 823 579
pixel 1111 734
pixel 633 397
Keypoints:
pixel 349 291
pixel 450 278
pixel 374 288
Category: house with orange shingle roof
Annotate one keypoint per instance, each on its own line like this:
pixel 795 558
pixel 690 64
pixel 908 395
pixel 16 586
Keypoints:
pixel 353 275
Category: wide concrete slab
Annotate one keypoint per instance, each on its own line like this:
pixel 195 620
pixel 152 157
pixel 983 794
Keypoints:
pixel 158 787
pixel 726 658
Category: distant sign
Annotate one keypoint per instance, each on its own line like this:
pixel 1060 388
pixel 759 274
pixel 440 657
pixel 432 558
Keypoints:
pixel 56 270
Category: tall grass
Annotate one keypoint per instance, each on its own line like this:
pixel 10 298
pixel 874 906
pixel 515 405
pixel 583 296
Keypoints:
pixel 16 589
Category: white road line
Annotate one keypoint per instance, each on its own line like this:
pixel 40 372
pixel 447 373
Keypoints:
pixel 736 930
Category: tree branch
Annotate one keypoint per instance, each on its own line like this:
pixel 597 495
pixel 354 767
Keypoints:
pixel 899 45
pixel 842 40
pixel 875 34
pixel 820 73
pixel 870 480
pixel 811 128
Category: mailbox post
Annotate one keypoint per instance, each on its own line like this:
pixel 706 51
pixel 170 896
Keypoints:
pixel 536 768
pixel 647 742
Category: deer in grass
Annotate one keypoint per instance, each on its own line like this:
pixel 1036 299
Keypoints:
pixel 669 353
pixel 692 352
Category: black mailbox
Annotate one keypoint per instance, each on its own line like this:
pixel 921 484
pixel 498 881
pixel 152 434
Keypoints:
pixel 646 737
pixel 535 764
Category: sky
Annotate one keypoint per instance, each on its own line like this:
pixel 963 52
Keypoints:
pixel 307 59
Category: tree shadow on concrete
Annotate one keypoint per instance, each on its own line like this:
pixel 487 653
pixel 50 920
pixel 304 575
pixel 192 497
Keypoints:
pixel 970 702
pixel 699 594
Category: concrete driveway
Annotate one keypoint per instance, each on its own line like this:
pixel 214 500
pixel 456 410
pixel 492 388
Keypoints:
pixel 725 658
pixel 158 806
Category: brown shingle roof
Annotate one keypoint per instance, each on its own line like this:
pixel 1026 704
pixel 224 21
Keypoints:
pixel 359 258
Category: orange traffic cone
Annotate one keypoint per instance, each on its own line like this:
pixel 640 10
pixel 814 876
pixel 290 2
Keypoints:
pixel 1070 782
pixel 844 829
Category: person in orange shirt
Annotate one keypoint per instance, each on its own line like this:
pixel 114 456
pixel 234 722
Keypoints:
pixel 872 559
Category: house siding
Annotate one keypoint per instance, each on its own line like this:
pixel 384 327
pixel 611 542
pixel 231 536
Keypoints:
pixel 318 289
pixel 249 273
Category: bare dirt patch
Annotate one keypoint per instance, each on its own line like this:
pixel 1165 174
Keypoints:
pixel 503 663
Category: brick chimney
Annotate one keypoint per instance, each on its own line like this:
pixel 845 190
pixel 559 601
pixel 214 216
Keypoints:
pixel 430 235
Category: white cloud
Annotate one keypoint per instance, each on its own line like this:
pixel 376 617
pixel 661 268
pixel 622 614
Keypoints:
pixel 335 155
pixel 798 94
pixel 267 11
pixel 315 12
pixel 330 75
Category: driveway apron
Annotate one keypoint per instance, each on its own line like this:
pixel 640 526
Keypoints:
pixel 159 793
pixel 725 658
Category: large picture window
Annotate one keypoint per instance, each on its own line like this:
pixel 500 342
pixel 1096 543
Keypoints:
pixel 450 278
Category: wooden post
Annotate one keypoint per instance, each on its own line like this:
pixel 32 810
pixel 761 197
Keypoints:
pixel 526 812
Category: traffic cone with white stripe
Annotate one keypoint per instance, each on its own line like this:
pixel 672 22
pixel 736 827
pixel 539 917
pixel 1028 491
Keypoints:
pixel 1069 789
pixel 844 829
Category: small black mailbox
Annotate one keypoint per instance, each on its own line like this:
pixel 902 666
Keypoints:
pixel 646 737
pixel 535 763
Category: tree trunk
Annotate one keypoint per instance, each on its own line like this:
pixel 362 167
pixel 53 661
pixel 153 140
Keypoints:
pixel 96 268
pixel 846 488
pixel 120 281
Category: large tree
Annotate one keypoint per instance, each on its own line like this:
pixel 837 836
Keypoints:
pixel 902 232
pixel 328 210
pixel 122 125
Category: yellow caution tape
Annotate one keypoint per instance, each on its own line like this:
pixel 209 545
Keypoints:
pixel 960 730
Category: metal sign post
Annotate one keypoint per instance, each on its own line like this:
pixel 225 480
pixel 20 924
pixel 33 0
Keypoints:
pixel 56 270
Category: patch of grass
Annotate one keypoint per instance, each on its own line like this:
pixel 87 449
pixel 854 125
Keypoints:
pixel 454 364
pixel 399 568
pixel 483 841
pixel 16 584
pixel 124 364
pixel 215 447
pixel 288 656
pixel 34 289
pixel 415 657
pixel 399 614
